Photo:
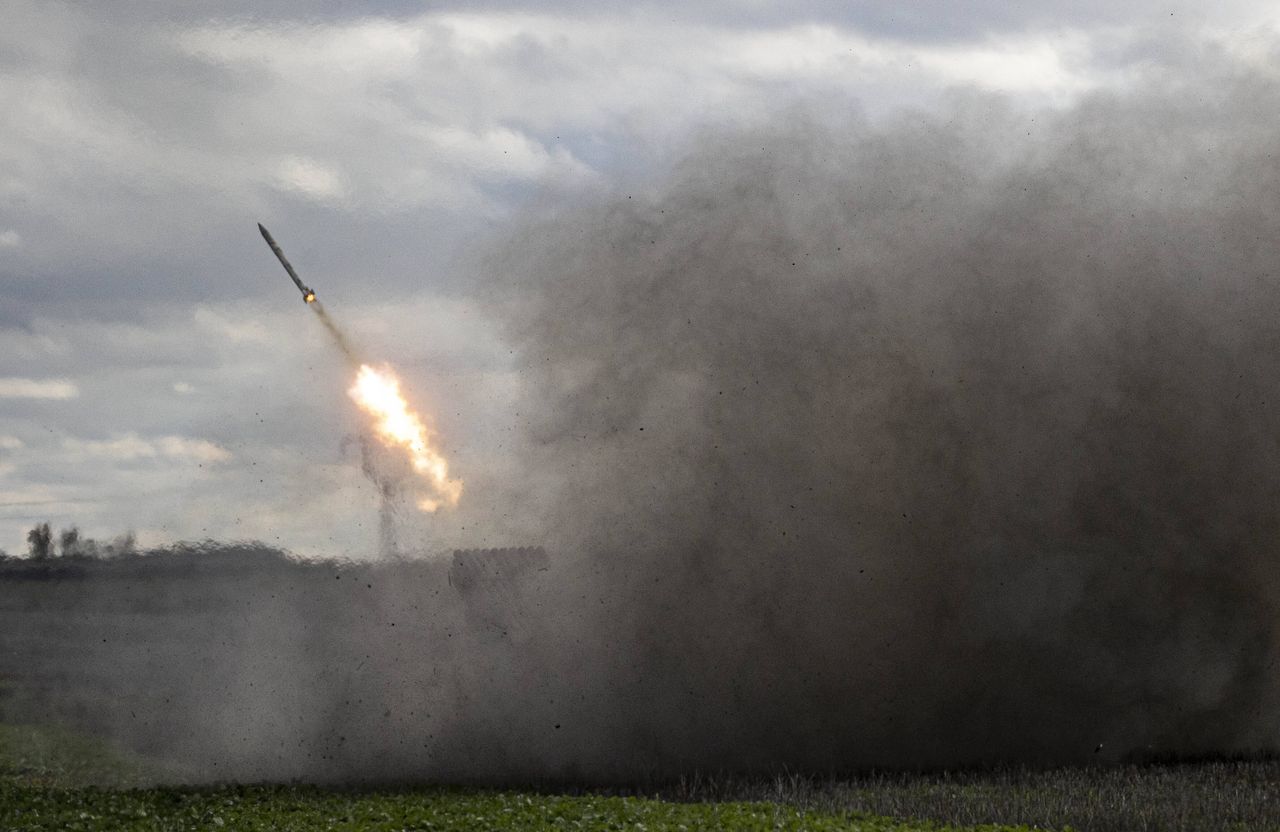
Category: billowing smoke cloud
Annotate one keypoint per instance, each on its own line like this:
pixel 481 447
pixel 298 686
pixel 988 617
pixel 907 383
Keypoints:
pixel 951 441
pixel 946 441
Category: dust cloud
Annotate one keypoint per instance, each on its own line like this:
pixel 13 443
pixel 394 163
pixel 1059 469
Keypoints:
pixel 944 441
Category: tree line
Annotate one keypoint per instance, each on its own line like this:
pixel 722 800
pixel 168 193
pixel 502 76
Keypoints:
pixel 43 545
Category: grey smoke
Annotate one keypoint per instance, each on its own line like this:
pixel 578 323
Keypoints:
pixel 952 441
pixel 389 471
pixel 940 442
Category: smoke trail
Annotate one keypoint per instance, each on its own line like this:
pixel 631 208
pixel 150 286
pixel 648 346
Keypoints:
pixel 384 473
pixel 388 473
pixel 377 392
pixel 339 338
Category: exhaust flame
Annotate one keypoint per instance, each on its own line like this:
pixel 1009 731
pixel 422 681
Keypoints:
pixel 378 393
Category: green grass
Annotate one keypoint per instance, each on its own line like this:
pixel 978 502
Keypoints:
pixel 1220 795
pixel 44 755
pixel 308 808
pixel 55 779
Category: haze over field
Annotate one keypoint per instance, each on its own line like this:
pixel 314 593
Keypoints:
pixel 883 390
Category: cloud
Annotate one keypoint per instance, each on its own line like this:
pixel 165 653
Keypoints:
pixel 31 496
pixel 413 130
pixel 1053 67
pixel 129 447
pixel 27 388
pixel 383 146
pixel 34 343
pixel 310 178
pixel 177 447
pixel 236 329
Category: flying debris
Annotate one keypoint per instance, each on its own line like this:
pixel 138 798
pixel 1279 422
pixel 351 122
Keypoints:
pixel 308 294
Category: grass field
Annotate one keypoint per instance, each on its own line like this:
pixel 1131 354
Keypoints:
pixel 1204 796
pixel 290 808
pixel 54 779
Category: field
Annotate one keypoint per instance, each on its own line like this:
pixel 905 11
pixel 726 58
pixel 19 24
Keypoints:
pixel 287 808
pixel 56 779
pixel 175 657
pixel 1201 795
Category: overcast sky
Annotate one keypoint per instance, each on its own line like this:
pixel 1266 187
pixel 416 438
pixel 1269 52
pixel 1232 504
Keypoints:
pixel 157 371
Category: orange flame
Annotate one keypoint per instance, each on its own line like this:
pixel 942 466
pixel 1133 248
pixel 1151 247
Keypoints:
pixel 378 392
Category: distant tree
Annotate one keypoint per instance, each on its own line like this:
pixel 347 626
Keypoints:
pixel 40 541
pixel 69 542
pixel 123 545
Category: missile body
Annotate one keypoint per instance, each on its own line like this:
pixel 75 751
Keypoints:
pixel 307 294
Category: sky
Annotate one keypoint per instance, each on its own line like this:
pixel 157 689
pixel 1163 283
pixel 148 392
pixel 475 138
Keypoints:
pixel 158 374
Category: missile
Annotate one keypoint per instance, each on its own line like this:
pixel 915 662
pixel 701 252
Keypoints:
pixel 307 294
